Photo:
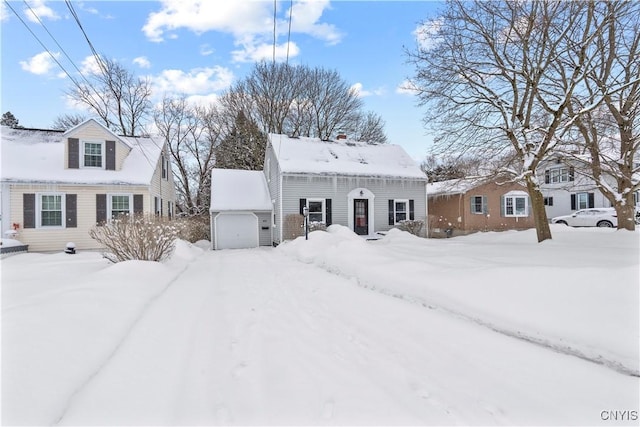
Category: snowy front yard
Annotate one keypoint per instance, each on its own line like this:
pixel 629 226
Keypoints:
pixel 492 328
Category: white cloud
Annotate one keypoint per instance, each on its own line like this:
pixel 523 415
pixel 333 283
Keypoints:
pixel 197 81
pixel 250 23
pixel 358 88
pixel 426 34
pixel 407 87
pixel 4 12
pixel 206 50
pixel 256 52
pixel 38 9
pixel 142 62
pixel 90 65
pixel 40 63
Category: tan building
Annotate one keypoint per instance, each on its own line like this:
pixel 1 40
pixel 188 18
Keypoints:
pixel 55 186
pixel 462 206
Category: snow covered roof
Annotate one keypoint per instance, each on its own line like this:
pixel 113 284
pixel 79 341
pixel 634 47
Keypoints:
pixel 453 186
pixel 37 156
pixel 239 190
pixel 343 157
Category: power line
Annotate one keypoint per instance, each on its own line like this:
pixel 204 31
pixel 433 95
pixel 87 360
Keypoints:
pixel 42 44
pixel 99 60
pixel 289 35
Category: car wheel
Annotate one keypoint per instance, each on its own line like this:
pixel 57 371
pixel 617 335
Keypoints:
pixel 562 222
pixel 607 224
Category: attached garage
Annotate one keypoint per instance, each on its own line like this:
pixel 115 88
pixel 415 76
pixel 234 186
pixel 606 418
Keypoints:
pixel 241 209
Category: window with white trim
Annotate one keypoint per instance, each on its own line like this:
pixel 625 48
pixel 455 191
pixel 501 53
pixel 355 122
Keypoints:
pixel 516 205
pixel 400 210
pixel 50 210
pixel 93 154
pixel 582 200
pixel 119 204
pixel 316 209
pixel 558 175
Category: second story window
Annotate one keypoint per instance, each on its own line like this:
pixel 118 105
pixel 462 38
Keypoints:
pixel 558 175
pixel 93 152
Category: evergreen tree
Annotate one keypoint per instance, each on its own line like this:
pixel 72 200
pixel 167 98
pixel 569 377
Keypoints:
pixel 8 119
pixel 243 147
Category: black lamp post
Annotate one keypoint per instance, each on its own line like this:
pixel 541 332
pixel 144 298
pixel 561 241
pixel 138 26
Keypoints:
pixel 305 213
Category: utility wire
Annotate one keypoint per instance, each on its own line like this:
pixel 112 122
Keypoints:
pixel 289 35
pixel 42 44
pixel 274 30
pixel 58 44
pixel 99 60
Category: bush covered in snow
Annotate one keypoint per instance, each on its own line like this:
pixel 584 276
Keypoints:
pixel 137 237
pixel 413 226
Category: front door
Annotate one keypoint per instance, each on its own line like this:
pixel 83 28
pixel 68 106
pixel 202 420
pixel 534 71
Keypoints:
pixel 361 216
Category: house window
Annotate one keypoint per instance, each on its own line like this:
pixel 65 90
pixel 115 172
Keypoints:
pixel 582 200
pixel 478 204
pixel 316 210
pixel 170 209
pixel 548 201
pixel 165 167
pixel 516 205
pixel 51 210
pixel 120 204
pixel 400 210
pixel 93 153
pixel 558 175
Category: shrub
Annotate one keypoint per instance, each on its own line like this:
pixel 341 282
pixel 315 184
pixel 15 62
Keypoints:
pixel 195 227
pixel 413 226
pixel 137 237
pixel 316 226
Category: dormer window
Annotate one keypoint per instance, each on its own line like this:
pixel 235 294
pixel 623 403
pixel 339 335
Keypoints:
pixel 93 154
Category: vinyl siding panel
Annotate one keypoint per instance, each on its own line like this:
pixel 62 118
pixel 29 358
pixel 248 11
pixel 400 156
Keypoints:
pixel 163 188
pixel 55 239
pixel 338 188
pixel 272 173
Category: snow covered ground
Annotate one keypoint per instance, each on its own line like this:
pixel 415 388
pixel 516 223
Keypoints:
pixel 487 329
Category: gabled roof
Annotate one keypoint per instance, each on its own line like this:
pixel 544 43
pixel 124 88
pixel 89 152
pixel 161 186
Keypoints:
pixel 37 156
pixel 239 190
pixel 77 128
pixel 302 155
pixel 463 185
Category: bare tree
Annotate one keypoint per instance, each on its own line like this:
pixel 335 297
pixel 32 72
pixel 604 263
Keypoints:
pixel 67 121
pixel 191 134
pixel 498 78
pixel 300 101
pixel 116 96
pixel 610 133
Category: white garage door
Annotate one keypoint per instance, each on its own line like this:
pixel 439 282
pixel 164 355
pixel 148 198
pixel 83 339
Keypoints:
pixel 236 230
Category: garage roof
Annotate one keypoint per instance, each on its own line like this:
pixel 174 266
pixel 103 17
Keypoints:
pixel 239 190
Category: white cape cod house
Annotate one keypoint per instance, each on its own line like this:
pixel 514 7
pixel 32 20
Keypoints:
pixel 57 185
pixel 367 188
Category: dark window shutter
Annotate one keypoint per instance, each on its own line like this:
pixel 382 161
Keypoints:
pixel 550 201
pixel 327 206
pixel 503 211
pixel 547 176
pixel 411 210
pixel 303 203
pixel 572 173
pixel 392 220
pixel 71 210
pixel 110 163
pixel 573 202
pixel 592 203
pixel 29 210
pixel 138 203
pixel 101 208
pixel 73 145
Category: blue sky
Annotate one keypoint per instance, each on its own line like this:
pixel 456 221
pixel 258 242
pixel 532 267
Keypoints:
pixel 200 48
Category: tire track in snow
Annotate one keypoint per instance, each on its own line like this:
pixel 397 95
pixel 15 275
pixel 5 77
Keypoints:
pixel 120 343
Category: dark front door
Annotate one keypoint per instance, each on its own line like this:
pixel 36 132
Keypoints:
pixel 361 216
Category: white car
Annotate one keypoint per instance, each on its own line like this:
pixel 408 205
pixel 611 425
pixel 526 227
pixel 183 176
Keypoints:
pixel 592 217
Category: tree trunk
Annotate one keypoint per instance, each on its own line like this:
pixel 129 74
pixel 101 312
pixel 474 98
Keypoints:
pixel 626 212
pixel 539 213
